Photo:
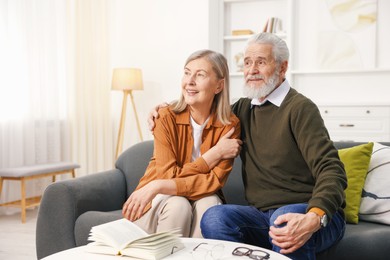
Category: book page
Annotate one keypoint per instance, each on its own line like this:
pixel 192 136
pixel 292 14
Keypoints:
pixel 117 234
pixel 154 252
pixel 159 237
pixel 123 237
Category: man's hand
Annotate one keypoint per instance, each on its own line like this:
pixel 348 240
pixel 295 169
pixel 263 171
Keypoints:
pixel 154 114
pixel 297 231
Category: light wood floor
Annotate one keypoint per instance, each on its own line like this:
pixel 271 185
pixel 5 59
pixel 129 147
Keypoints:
pixel 17 240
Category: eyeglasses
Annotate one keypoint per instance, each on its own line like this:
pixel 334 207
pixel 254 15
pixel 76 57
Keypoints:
pixel 254 254
pixel 203 251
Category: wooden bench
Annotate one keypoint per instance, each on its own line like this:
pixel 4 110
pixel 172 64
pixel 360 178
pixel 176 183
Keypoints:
pixel 31 172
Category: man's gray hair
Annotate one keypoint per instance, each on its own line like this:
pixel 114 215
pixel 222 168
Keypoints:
pixel 279 47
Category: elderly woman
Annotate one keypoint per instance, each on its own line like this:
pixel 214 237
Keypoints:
pixel 194 141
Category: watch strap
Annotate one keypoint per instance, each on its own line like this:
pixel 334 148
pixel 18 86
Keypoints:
pixel 318 211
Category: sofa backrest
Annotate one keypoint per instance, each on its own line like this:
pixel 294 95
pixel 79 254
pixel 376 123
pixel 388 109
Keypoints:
pixel 341 145
pixel 135 159
pixel 234 188
pixel 133 162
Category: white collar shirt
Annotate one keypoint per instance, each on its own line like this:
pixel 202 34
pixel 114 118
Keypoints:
pixel 276 97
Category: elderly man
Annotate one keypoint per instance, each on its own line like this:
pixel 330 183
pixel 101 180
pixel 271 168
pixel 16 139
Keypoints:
pixel 294 180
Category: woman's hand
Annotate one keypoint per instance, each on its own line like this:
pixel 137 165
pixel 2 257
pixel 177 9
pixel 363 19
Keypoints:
pixel 136 203
pixel 227 147
pixel 139 199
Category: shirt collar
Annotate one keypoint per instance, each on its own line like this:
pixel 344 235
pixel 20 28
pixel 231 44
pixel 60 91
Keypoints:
pixel 184 118
pixel 276 97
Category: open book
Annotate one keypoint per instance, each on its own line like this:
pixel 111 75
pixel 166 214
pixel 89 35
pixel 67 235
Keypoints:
pixel 123 237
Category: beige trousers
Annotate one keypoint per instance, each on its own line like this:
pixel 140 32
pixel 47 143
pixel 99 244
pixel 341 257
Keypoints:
pixel 169 212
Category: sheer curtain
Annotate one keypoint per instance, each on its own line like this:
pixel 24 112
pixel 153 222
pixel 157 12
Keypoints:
pixel 92 134
pixel 54 87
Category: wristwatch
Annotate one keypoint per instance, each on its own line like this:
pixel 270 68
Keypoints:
pixel 322 215
pixel 324 221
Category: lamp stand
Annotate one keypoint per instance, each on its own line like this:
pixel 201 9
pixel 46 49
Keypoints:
pixel 122 122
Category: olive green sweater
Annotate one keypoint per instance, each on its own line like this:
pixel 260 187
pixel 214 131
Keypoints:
pixel 288 157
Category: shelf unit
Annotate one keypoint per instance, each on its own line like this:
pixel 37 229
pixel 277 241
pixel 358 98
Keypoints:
pixel 367 71
pixel 246 15
pixel 324 86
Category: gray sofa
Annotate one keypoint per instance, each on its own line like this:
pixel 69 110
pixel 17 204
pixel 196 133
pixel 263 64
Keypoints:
pixel 70 208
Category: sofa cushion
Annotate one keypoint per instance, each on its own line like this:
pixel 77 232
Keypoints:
pixel 375 204
pixel 89 219
pixel 363 241
pixel 356 160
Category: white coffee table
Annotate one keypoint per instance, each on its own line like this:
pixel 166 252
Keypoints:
pixel 184 254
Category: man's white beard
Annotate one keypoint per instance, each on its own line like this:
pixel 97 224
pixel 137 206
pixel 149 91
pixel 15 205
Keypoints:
pixel 263 91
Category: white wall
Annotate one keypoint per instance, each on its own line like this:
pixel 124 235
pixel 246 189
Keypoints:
pixel 367 85
pixel 156 36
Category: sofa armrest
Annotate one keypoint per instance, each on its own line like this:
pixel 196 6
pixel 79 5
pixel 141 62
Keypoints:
pixel 63 202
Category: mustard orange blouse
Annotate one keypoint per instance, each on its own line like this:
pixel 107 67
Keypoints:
pixel 171 159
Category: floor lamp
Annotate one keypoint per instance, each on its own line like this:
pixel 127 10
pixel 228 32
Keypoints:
pixel 126 80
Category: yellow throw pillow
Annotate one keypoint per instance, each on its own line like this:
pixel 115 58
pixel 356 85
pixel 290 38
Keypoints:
pixel 356 161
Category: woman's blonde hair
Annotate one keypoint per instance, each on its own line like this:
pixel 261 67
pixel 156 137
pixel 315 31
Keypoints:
pixel 221 103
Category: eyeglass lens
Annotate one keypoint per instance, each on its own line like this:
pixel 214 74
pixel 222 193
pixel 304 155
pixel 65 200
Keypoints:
pixel 203 251
pixel 254 254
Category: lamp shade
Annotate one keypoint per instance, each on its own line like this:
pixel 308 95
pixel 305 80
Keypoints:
pixel 127 79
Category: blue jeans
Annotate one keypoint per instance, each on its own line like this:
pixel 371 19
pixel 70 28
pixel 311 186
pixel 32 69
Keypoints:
pixel 247 224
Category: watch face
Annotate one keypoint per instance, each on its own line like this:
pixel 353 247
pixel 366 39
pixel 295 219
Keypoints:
pixel 324 220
